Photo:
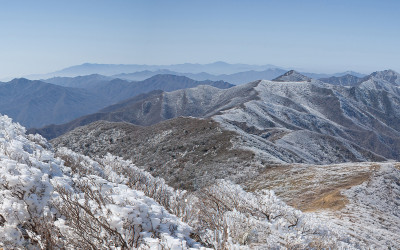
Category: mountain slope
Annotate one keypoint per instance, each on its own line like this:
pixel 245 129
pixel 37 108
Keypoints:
pixel 64 199
pixel 359 199
pixel 346 80
pixel 115 90
pixel 76 202
pixel 85 82
pixel 387 75
pixel 387 80
pixel 292 76
pixel 118 112
pixel 348 194
pixel 36 103
pixel 189 153
pixel 250 76
pixel 156 106
pixel 284 122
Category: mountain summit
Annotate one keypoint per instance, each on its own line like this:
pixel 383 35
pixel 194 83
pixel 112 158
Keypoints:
pixel 388 75
pixel 292 76
pixel 346 80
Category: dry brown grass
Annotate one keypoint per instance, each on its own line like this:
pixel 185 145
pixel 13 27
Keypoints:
pixel 330 196
pixel 311 188
pixel 333 201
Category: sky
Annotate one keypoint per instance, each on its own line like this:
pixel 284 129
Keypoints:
pixel 43 36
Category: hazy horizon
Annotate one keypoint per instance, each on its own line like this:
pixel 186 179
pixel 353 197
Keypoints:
pixel 44 36
pixel 38 76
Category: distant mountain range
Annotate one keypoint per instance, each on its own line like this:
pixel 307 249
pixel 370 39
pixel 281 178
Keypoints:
pixel 116 89
pixel 236 78
pixel 114 69
pixel 282 122
pixel 346 80
pixel 38 103
pixel 233 73
pixel 323 146
pixel 85 82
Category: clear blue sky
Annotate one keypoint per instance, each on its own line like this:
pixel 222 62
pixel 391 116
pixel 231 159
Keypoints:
pixel 41 36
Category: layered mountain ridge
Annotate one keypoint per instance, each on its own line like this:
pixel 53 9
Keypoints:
pixel 232 73
pixel 282 122
pixel 208 159
pixel 38 103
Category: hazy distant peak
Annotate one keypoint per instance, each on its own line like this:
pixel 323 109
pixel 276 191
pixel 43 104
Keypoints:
pixel 352 73
pixel 19 80
pixel 346 80
pixel 169 76
pixel 220 63
pixel 292 76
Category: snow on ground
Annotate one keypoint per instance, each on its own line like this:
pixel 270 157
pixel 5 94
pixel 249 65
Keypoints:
pixel 86 209
pixel 66 200
pixel 373 213
pixel 292 122
pixel 361 200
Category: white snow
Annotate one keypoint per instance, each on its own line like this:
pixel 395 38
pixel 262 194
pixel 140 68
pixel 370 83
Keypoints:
pixel 67 200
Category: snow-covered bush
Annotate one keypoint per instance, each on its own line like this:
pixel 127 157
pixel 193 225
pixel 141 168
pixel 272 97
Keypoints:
pixel 117 170
pixel 46 202
pixel 67 200
pixel 232 217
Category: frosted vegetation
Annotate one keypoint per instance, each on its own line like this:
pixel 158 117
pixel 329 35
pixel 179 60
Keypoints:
pixel 61 199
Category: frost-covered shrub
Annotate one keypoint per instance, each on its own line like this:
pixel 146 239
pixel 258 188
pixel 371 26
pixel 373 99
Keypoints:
pixel 46 204
pixel 103 214
pixel 69 201
pixel 104 208
pixel 117 170
pixel 231 216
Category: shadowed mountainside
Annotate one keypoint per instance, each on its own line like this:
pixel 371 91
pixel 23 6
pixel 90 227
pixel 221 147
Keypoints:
pixel 37 103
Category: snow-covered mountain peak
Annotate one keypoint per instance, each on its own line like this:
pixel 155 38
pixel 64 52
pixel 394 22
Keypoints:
pixel 387 75
pixel 387 80
pixel 292 76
